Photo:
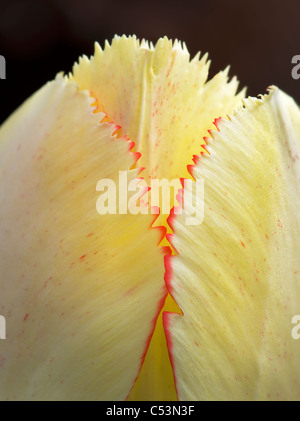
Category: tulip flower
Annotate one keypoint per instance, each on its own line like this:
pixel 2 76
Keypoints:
pixel 118 306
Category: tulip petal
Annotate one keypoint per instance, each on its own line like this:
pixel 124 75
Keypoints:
pixel 80 291
pixel 155 381
pixel 236 277
pixel 163 102
pixel 161 99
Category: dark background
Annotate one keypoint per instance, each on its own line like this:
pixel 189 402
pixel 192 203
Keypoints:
pixel 258 39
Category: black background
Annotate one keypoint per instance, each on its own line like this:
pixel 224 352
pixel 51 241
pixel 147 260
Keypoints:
pixel 39 38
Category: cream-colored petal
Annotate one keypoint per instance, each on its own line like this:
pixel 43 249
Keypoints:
pixel 163 102
pixel 237 275
pixel 161 99
pixel 80 291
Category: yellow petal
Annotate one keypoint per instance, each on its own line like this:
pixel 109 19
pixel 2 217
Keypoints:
pixel 159 97
pixel 237 275
pixel 163 102
pixel 80 291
